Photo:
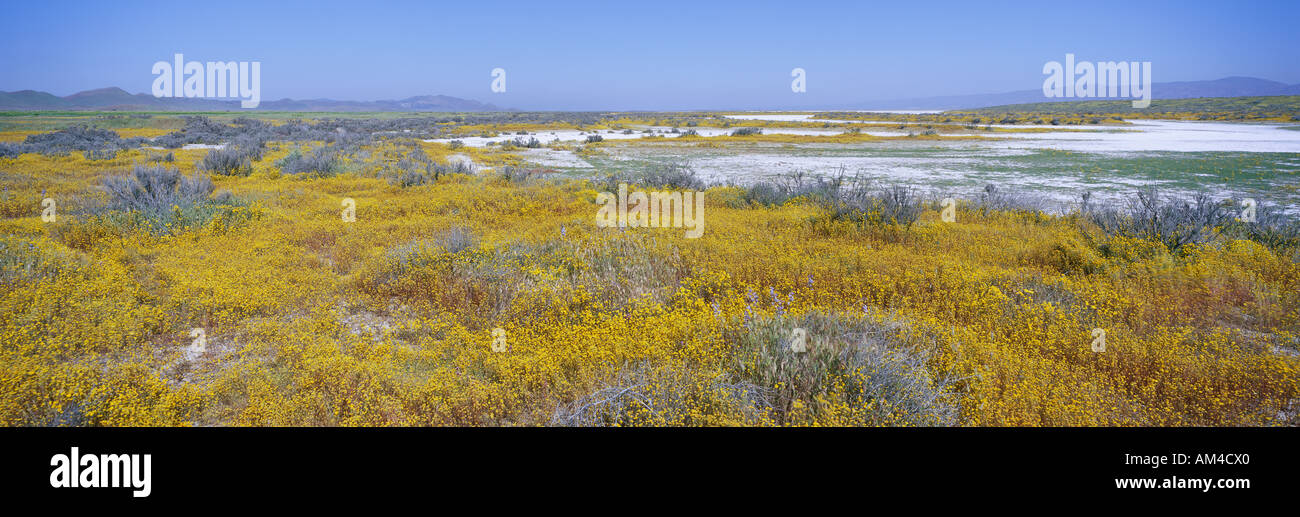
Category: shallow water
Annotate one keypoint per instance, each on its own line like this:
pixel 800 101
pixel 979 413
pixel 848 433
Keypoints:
pixel 1166 135
pixel 1141 135
pixel 575 136
pixel 1261 161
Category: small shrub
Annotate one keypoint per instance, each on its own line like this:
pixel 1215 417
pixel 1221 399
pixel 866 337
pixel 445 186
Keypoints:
pixel 418 169
pixel 827 191
pixel 454 167
pixel 156 189
pixel 95 143
pixel 766 193
pixel 227 161
pixel 673 175
pixel 321 162
pixel 993 199
pixel 449 272
pixel 1174 223
pixel 855 370
pixel 676 176
pixel 160 200
pixel 1272 227
pixel 896 205
pixel 100 154
pixel 516 174
pixel 161 158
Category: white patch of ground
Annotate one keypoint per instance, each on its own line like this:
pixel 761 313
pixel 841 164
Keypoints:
pixel 1167 135
pixel 774 117
pixel 187 147
pixel 808 117
pixel 461 158
pixel 554 158
pixel 1142 135
pixel 575 136
pixel 796 117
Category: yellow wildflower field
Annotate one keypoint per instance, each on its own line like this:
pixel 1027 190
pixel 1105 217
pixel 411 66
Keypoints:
pixel 493 298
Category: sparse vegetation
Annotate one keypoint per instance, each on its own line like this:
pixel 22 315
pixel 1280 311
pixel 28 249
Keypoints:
pixel 1173 223
pixel 159 200
pixel 320 162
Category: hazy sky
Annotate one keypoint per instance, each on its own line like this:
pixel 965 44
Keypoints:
pixel 656 54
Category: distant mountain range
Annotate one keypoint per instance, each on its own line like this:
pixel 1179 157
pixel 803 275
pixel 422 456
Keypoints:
pixel 1226 87
pixel 117 99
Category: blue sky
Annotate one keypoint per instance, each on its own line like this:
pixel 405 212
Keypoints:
pixel 659 54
